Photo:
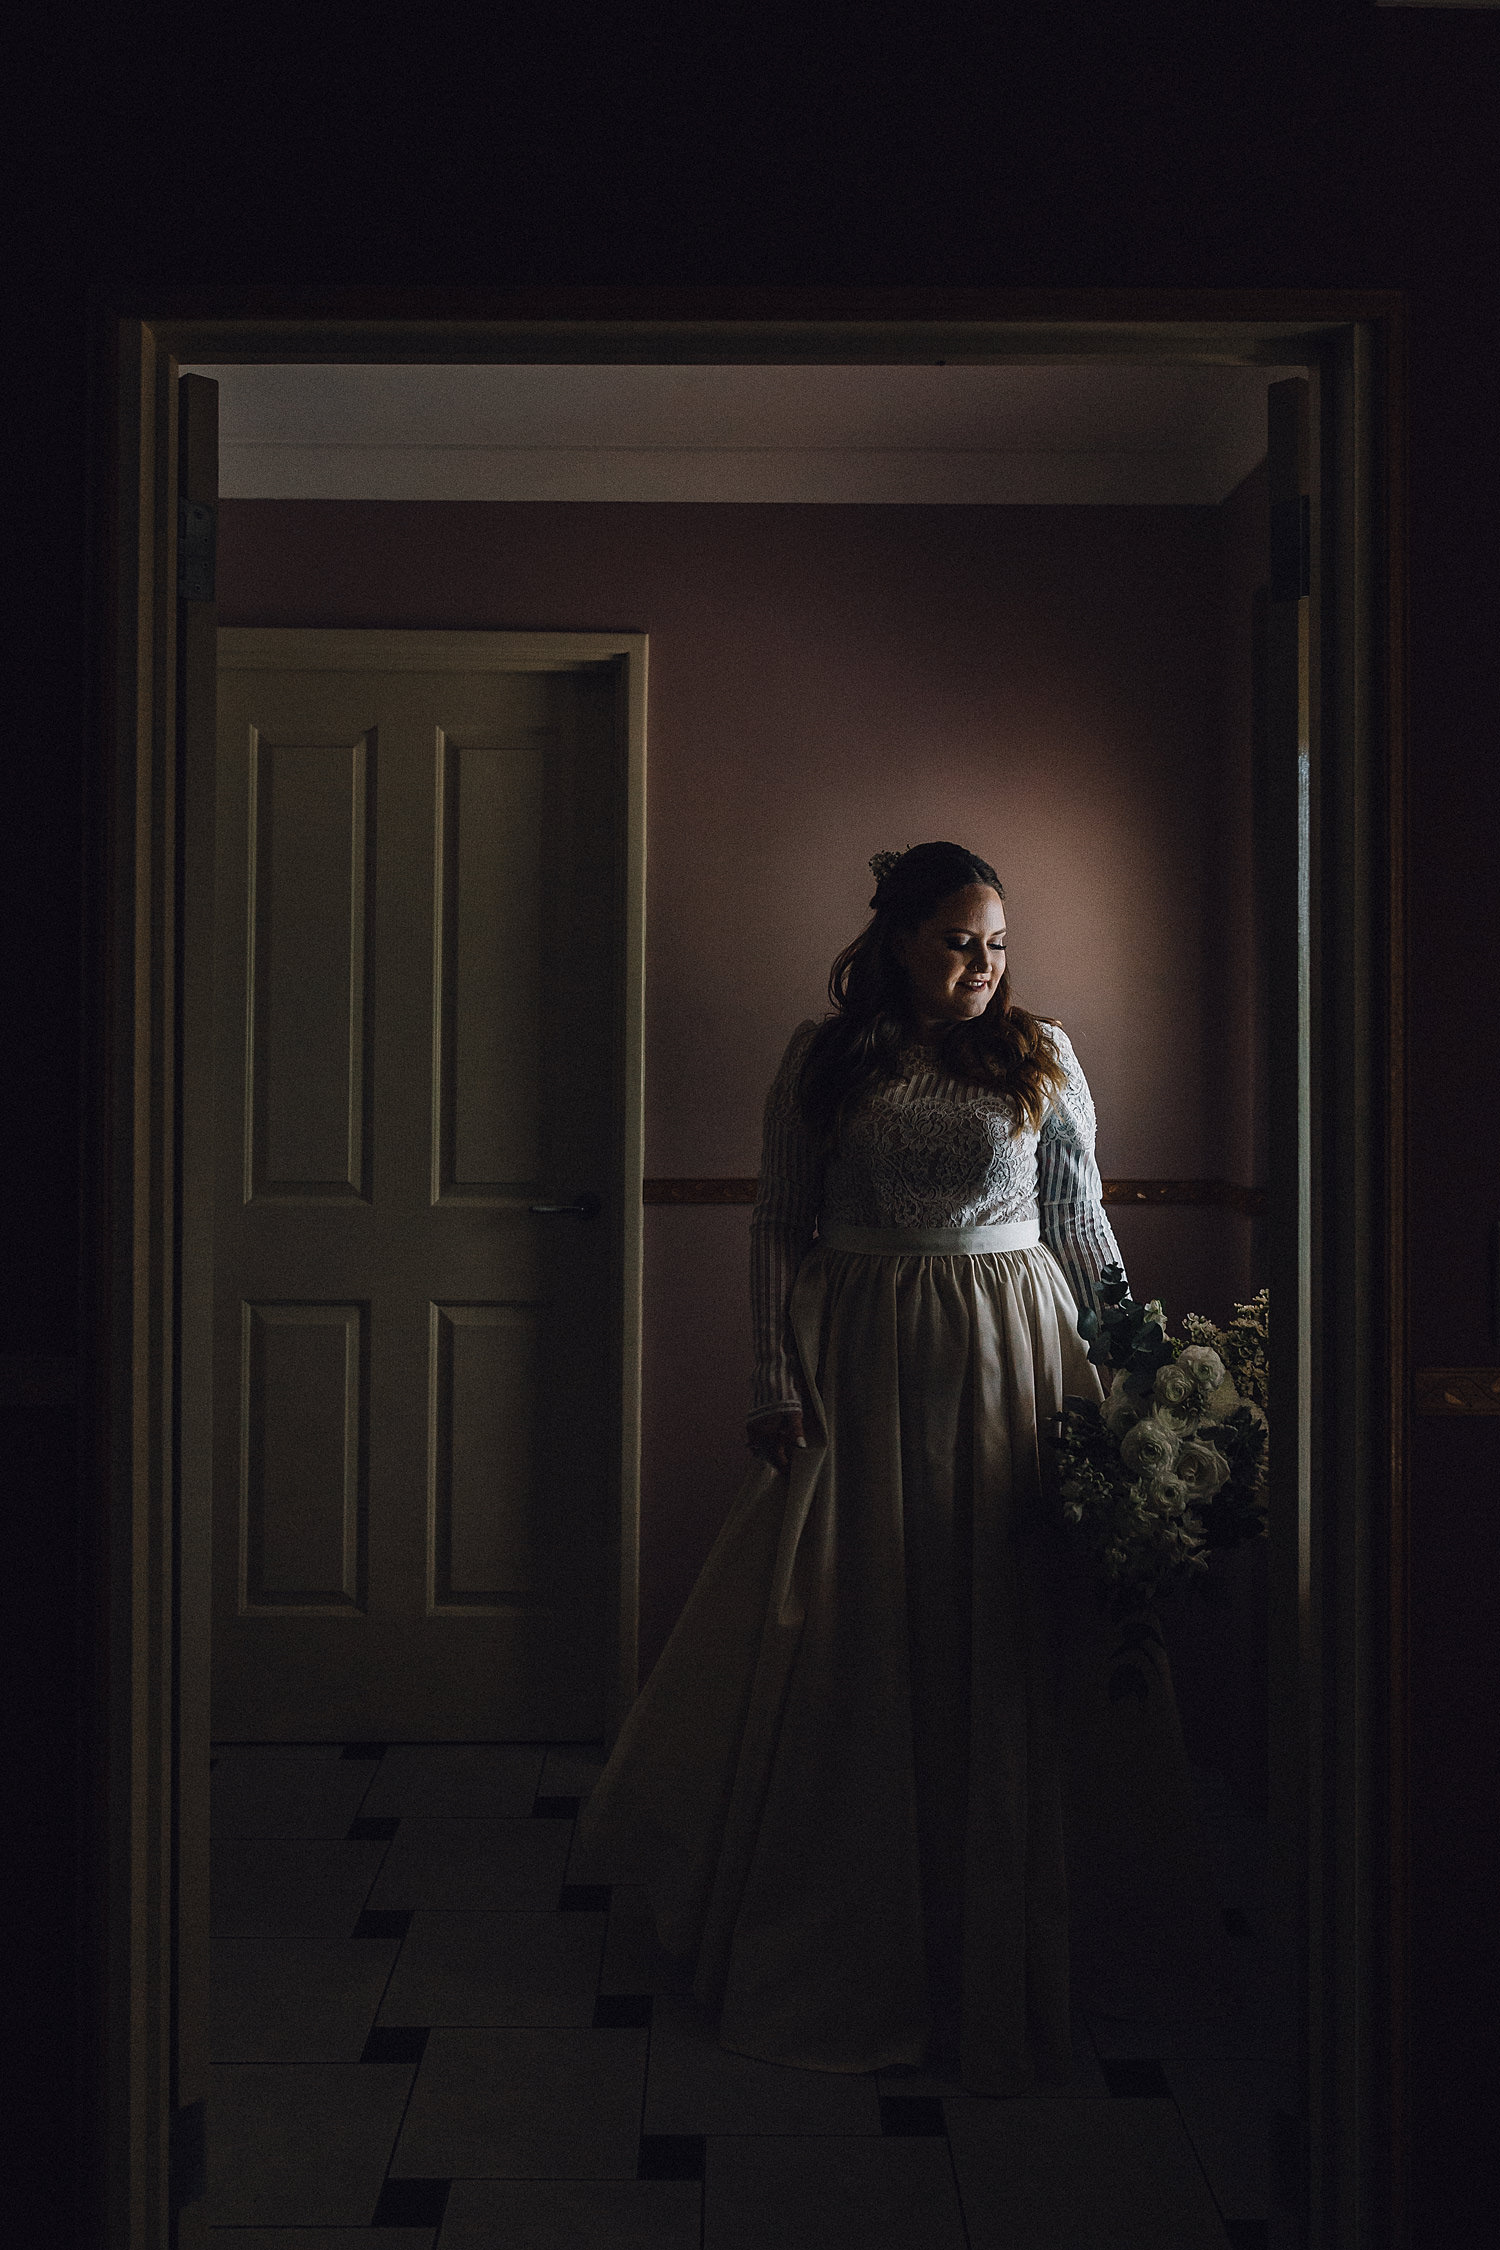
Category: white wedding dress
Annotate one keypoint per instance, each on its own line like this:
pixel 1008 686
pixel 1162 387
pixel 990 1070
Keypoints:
pixel 880 1729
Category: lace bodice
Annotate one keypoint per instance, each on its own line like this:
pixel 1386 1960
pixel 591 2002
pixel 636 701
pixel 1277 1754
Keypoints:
pixel 925 1150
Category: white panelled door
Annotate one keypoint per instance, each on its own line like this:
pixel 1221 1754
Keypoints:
pixel 421 907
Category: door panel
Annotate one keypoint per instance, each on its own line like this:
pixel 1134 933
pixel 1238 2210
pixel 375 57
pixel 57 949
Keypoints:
pixel 487 1136
pixel 482 1469
pixel 306 993
pixel 420 926
pixel 303 1491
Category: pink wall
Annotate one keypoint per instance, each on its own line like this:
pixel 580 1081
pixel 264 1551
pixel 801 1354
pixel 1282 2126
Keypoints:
pixel 1047 685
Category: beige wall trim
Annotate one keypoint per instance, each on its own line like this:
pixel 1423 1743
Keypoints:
pixel 1456 1390
pixel 285 648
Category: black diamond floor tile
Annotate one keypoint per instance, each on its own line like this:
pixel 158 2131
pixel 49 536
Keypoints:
pixel 583 1898
pixel 622 2011
pixel 383 1922
pixel 912 2116
pixel 395 2043
pixel 1133 2078
pixel 555 1808
pixel 372 1831
pixel 412 2203
pixel 370 1750
pixel 670 2156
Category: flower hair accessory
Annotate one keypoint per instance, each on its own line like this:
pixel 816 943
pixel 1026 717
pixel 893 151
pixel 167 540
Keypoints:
pixel 885 863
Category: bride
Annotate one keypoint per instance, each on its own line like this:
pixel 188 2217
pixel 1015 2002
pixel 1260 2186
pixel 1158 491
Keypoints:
pixel 842 1784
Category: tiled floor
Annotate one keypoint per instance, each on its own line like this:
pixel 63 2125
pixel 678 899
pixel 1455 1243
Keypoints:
pixel 426 2037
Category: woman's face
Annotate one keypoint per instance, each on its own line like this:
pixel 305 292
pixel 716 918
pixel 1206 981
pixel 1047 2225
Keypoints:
pixel 956 958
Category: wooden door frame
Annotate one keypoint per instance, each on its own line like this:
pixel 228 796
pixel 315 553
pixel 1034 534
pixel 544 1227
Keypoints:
pixel 1354 1694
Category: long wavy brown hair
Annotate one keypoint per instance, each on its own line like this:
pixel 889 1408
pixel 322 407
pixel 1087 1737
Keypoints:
pixel 1006 1049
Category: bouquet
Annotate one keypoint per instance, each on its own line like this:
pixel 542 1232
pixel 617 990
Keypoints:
pixel 1172 1464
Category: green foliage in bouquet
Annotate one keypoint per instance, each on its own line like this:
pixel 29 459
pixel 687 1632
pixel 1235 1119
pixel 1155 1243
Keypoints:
pixel 1172 1465
pixel 1241 1346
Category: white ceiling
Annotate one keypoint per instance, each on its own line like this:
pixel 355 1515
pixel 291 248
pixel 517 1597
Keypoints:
pixel 1166 436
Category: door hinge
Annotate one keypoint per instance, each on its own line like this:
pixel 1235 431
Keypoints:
pixel 187 2155
pixel 197 548
pixel 1291 548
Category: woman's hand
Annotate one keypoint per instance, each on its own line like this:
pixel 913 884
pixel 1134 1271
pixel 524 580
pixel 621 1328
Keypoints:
pixel 775 1438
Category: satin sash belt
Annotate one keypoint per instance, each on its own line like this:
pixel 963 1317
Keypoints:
pixel 932 1242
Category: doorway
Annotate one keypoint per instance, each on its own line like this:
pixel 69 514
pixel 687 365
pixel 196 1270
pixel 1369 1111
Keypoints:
pixel 1342 646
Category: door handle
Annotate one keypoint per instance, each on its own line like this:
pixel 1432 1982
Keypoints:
pixel 585 1206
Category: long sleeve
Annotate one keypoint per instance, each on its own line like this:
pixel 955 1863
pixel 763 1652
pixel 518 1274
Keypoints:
pixel 1069 1191
pixel 781 1231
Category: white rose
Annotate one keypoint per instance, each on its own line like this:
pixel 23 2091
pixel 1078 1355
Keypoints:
pixel 1149 1449
pixel 1121 1408
pixel 1224 1403
pixel 1203 1367
pixel 1171 1493
pixel 1202 1468
pixel 1174 1384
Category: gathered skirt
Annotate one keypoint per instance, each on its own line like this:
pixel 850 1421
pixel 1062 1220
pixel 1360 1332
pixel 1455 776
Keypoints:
pixel 843 1784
